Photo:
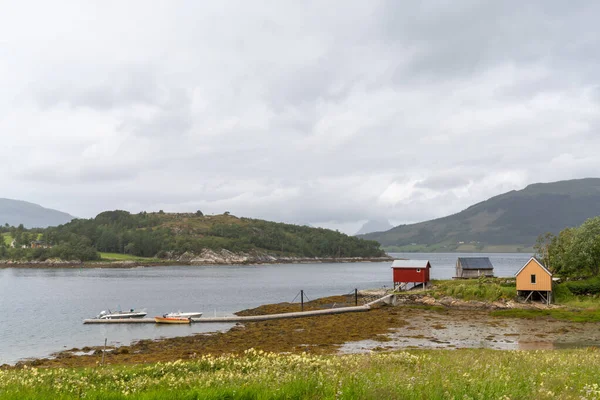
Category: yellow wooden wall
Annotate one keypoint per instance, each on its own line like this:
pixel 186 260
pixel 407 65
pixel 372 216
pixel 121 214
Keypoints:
pixel 543 280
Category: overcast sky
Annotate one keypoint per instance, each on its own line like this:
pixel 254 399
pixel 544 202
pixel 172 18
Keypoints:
pixel 322 112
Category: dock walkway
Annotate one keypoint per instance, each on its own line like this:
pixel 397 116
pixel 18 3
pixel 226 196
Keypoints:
pixel 300 314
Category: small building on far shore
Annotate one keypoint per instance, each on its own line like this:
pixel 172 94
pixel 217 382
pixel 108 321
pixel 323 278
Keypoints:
pixel 534 281
pixel 406 272
pixel 473 267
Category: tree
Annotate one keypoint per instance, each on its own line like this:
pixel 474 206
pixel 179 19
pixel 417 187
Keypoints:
pixel 564 257
pixel 574 252
pixel 587 244
pixel 542 248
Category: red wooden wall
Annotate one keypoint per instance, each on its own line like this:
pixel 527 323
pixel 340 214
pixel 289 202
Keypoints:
pixel 411 275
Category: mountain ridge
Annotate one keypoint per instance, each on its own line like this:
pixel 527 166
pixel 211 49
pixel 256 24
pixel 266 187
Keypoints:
pixel 31 215
pixel 512 220
pixel 374 225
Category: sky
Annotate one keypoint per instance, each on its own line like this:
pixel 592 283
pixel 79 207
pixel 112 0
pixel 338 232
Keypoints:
pixel 327 113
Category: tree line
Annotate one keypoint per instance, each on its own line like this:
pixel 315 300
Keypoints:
pixel 574 252
pixel 164 235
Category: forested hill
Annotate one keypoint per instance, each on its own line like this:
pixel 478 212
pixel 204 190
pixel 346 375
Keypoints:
pixel 511 221
pixel 17 212
pixel 166 235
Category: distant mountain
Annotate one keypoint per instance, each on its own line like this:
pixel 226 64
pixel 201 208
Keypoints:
pixel 508 222
pixel 375 225
pixel 16 212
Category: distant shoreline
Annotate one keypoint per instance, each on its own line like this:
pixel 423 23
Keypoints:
pixel 520 250
pixel 169 263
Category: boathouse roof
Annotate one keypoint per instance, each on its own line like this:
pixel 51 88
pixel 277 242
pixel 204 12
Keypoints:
pixel 411 264
pixel 538 262
pixel 475 263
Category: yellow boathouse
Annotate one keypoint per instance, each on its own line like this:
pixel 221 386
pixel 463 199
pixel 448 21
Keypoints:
pixel 534 280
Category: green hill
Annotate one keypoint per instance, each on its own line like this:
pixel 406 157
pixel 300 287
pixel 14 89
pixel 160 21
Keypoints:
pixel 509 222
pixel 16 212
pixel 186 237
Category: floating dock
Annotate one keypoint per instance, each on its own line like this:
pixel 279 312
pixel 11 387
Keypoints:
pixel 300 314
pixel 119 321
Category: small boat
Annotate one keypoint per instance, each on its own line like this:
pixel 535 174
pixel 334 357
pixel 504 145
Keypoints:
pixel 121 314
pixel 172 320
pixel 183 314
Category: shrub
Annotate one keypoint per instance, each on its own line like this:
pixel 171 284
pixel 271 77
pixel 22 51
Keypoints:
pixel 585 287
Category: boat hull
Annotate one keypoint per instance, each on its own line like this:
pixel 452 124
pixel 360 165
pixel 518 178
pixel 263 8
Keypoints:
pixel 123 315
pixel 172 320
pixel 183 315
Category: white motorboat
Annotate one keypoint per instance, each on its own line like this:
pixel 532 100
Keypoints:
pixel 121 314
pixel 180 314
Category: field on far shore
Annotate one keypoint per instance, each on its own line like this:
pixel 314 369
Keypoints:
pixel 459 248
pixel 125 257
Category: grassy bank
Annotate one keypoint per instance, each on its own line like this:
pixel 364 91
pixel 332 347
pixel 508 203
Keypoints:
pixel 442 374
pixel 486 289
pixel 126 257
pixel 493 289
pixel 572 307
pixel 561 314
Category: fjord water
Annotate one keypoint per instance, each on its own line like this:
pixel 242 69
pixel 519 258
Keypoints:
pixel 41 310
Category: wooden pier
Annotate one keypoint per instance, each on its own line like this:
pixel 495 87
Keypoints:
pixel 235 318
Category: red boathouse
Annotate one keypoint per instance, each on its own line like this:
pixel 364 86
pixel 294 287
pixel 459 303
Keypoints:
pixel 410 271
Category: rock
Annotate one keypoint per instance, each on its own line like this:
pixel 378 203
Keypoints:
pixel 447 301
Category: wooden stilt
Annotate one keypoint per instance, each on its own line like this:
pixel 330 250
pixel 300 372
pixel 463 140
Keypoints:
pixel 527 298
pixel 543 297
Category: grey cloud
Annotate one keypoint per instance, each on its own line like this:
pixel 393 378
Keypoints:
pixel 442 182
pixel 125 87
pixel 80 175
pixel 301 112
pixel 458 39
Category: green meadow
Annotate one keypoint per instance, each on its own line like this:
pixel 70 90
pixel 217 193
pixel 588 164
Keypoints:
pixel 414 374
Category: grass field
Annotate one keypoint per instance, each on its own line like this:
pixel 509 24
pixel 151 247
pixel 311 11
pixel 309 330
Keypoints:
pixel 486 289
pixel 124 257
pixel 425 374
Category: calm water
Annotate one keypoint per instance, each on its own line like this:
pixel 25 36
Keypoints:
pixel 41 310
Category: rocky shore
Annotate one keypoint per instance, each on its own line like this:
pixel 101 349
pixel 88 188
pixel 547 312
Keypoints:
pixel 226 257
pixel 206 257
pixel 423 299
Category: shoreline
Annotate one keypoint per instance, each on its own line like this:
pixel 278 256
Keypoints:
pixel 415 321
pixel 4 264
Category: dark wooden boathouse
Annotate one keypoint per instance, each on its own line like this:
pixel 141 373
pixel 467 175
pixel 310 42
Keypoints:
pixel 473 267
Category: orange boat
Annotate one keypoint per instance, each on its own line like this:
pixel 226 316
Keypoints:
pixel 172 320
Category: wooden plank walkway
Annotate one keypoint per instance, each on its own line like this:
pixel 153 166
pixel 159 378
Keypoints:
pixel 235 318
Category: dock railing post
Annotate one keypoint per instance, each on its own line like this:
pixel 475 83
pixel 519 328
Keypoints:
pixel 103 352
pixel 355 296
pixel 302 300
